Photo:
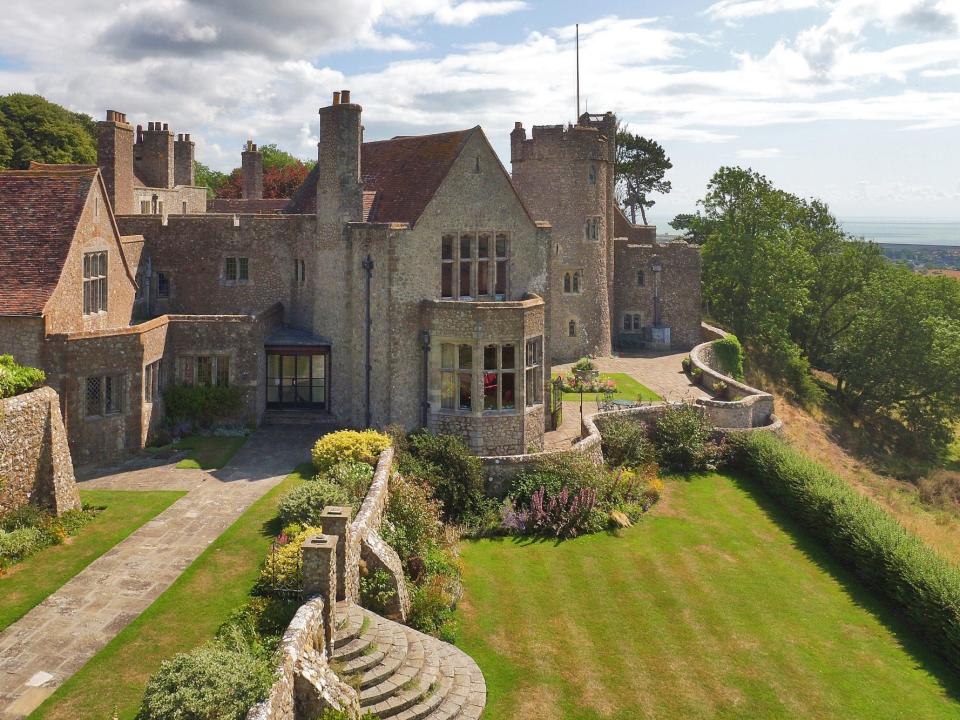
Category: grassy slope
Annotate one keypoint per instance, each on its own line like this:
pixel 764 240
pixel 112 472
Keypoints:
pixel 28 583
pixel 627 389
pixel 187 614
pixel 716 606
pixel 814 434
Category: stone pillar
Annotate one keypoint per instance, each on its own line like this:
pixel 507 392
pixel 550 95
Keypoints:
pixel 336 521
pixel 251 172
pixel 320 579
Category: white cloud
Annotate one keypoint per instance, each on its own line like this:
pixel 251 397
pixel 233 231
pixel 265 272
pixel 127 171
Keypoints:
pixel 758 153
pixel 470 11
pixel 733 10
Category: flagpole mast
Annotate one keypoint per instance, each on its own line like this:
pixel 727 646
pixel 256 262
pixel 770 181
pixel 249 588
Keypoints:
pixel 577 119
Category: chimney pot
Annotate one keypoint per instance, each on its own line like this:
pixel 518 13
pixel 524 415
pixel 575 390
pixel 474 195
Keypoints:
pixel 166 127
pixel 187 137
pixel 344 97
pixel 336 97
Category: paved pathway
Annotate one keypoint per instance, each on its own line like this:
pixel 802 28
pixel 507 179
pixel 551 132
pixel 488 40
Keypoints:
pixel 661 373
pixel 55 639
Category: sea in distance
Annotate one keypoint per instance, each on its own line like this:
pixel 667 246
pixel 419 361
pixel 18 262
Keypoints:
pixel 904 231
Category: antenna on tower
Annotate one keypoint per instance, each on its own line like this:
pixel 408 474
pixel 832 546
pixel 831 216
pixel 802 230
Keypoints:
pixel 577 118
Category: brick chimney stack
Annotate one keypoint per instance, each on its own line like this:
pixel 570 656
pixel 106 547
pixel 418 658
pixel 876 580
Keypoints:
pixel 154 156
pixel 252 169
pixel 339 193
pixel 115 158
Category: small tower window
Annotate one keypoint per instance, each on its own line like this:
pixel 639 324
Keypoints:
pixel 572 282
pixel 572 328
pixel 476 167
pixel 592 174
pixel 592 229
pixel 641 278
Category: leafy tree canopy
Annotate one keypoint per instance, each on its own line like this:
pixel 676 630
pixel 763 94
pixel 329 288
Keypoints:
pixel 282 175
pixel 36 129
pixel 640 168
pixel 212 179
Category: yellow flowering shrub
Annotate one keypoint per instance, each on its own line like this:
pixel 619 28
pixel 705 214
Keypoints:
pixel 281 568
pixel 335 447
pixel 653 490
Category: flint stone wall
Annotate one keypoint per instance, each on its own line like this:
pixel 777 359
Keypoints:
pixel 35 463
pixel 305 682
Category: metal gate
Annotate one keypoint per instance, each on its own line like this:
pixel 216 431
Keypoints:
pixel 283 579
pixel 556 403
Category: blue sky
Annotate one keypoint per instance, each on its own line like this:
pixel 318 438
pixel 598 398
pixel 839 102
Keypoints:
pixel 853 101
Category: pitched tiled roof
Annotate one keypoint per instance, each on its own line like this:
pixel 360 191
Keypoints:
pixel 39 213
pixel 262 206
pixel 399 176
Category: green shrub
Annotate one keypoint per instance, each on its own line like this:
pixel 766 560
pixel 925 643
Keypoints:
pixel 376 591
pixel 201 405
pixel 362 445
pixel 554 473
pixel 453 473
pixel 625 442
pixel 729 354
pixel 282 568
pixel 412 524
pixel 681 436
pixel 28 529
pixel 720 389
pixel 686 364
pixel 304 503
pixel 19 544
pixel 432 609
pixel 17 379
pixel 860 534
pixel 354 477
pixel 209 682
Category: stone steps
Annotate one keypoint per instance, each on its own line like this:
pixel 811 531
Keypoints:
pixel 402 674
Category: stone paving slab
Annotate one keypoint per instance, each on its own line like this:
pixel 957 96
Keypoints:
pixel 55 639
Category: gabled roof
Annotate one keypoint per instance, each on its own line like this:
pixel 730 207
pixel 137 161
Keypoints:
pixel 39 213
pixel 399 176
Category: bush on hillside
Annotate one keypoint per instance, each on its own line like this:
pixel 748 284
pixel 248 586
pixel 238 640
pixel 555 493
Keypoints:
pixel 860 534
pixel 361 445
pixel 17 379
pixel 681 436
pixel 303 504
pixel 412 524
pixel 625 442
pixel 453 473
pixel 201 405
pixel 729 354
pixel 211 681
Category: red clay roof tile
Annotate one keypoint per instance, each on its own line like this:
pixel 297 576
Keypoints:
pixel 39 213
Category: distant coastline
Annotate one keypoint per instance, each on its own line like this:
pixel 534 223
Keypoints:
pixel 904 231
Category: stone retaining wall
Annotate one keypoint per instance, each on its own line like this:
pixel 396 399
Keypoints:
pixel 305 682
pixel 35 463
pixel 752 409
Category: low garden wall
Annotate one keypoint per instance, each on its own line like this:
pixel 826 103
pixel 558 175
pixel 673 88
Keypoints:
pixel 35 463
pixel 751 409
pixel 305 682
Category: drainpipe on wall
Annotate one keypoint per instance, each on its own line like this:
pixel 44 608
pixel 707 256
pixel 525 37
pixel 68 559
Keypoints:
pixel 367 265
pixel 425 404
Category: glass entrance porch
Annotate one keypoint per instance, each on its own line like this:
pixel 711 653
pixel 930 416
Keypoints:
pixel 297 378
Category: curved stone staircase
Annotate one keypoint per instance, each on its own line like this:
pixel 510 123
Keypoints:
pixel 402 674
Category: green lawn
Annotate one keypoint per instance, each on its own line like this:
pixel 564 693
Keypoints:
pixel 714 606
pixel 187 614
pixel 627 389
pixel 204 452
pixel 28 583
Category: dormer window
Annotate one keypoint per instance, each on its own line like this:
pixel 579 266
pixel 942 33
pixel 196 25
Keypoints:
pixel 94 282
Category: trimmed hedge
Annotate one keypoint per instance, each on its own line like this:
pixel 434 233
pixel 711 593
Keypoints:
pixel 729 353
pixel 201 404
pixel 917 580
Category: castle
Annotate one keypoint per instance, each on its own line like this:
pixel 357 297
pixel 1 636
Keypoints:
pixel 409 281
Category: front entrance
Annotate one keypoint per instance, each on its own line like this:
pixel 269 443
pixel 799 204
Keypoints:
pixel 297 378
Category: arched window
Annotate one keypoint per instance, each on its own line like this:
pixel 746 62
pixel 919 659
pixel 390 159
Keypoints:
pixel 572 328
pixel 576 282
pixel 566 282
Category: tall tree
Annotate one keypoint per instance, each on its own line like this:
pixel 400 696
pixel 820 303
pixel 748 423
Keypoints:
pixel 640 168
pixel 212 179
pixel 694 228
pixel 6 147
pixel 46 132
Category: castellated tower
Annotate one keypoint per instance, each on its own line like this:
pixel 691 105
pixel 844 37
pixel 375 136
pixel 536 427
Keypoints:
pixel 115 158
pixel 565 175
pixel 252 172
pixel 339 192
pixel 153 155
pixel 183 169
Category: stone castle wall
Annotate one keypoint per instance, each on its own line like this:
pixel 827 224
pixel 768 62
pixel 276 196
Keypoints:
pixel 634 293
pixel 35 464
